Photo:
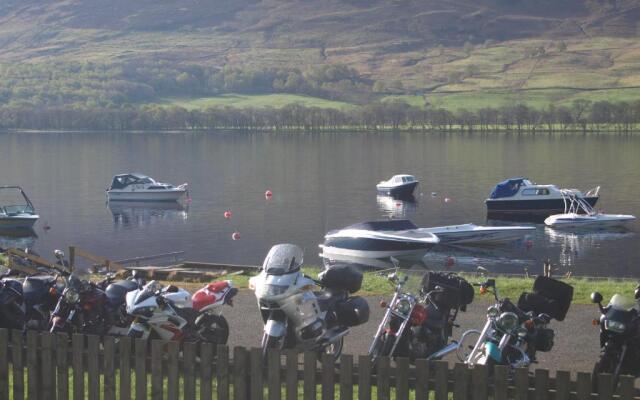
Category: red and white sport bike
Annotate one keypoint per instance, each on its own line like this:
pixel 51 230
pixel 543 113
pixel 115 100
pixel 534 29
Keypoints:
pixel 171 313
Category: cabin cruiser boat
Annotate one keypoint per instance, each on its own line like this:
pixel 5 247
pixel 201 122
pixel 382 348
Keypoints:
pixel 398 185
pixel 138 187
pixel 578 213
pixel 471 234
pixel 379 239
pixel 14 215
pixel 521 196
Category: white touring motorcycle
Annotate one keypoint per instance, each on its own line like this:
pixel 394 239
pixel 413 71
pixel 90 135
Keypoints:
pixel 297 317
pixel 171 313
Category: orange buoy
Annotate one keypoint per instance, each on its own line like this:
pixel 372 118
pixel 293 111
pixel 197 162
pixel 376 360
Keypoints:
pixel 235 236
pixel 268 194
pixel 447 199
pixel 398 204
pixel 228 214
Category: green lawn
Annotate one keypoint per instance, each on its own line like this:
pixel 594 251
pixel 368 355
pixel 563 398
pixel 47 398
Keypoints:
pixel 251 100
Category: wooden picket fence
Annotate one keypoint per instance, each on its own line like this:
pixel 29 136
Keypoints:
pixel 45 366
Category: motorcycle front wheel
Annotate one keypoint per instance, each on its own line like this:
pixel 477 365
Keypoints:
pixel 334 350
pixel 214 329
pixel 271 342
pixel 606 364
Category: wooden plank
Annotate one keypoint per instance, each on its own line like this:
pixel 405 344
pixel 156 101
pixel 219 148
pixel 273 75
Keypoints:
pixel 93 367
pixel 605 386
pixel 240 365
pixel 626 388
pixel 33 366
pixel 583 389
pixel 156 369
pixel 189 375
pixel 62 365
pixel 541 384
pixel 222 372
pixel 563 385
pixel 292 375
pixel 522 384
pixel 173 377
pixel 422 379
pixel 273 376
pixel 383 369
pixel 109 368
pixel 309 375
pixel 402 379
pixel 17 363
pixel 77 347
pixel 257 386
pixel 33 258
pixel 112 265
pixel 461 380
pixel 141 368
pixel 206 372
pixel 328 377
pixel 124 348
pixel 480 382
pixel 440 376
pixel 47 376
pixel 364 378
pixel 4 364
pixel 346 377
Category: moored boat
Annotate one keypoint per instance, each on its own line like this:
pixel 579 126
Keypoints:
pixel 398 185
pixel 14 215
pixel 138 187
pixel 579 214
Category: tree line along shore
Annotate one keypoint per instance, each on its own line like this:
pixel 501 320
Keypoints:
pixel 580 116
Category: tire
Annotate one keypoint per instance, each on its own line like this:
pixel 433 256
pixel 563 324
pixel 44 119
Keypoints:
pixel 606 364
pixel 334 350
pixel 214 329
pixel 271 342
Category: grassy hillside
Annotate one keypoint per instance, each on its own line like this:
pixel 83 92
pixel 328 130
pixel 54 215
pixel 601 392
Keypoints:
pixel 462 53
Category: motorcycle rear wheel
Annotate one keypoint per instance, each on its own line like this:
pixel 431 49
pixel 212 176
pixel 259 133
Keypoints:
pixel 214 329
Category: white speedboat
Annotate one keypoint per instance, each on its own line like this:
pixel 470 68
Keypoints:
pixel 398 185
pixel 471 234
pixel 16 210
pixel 579 214
pixel 379 239
pixel 138 187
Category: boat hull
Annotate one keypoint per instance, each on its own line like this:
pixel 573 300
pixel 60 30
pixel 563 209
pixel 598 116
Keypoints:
pixel 148 195
pixel 404 190
pixel 481 235
pixel 18 222
pixel 569 221
pixel 374 248
pixel 496 207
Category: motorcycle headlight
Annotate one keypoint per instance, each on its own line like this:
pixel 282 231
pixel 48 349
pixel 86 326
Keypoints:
pixel 403 306
pixel 71 296
pixel 492 312
pixel 144 311
pixel 508 321
pixel 614 326
pixel 275 290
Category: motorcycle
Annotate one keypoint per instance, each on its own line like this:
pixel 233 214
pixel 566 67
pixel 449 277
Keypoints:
pixel 513 334
pixel 294 315
pixel 116 307
pixel 415 326
pixel 12 315
pixel 171 313
pixel 41 295
pixel 619 336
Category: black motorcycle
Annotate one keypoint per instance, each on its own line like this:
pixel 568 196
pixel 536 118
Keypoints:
pixel 619 336
pixel 11 300
pixel 41 295
pixel 415 326
pixel 116 307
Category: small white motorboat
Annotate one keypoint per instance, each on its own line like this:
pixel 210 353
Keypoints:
pixel 579 214
pixel 471 234
pixel 138 187
pixel 398 185
pixel 14 215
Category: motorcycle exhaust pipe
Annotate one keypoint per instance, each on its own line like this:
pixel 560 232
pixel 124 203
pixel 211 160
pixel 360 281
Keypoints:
pixel 448 349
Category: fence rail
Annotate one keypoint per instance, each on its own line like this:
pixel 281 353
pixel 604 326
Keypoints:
pixel 46 366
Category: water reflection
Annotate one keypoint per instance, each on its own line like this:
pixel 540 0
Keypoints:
pixel 574 244
pixel 17 238
pixel 130 214
pixel 397 207
pixel 510 259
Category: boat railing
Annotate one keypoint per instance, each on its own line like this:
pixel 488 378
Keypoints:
pixel 573 203
pixel 593 192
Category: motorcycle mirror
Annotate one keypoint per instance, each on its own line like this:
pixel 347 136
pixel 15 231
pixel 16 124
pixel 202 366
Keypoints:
pixel 59 254
pixel 392 276
pixel 637 292
pixel 596 297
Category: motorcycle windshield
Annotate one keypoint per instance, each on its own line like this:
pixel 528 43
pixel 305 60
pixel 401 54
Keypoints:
pixel 622 303
pixel 283 259
pixel 147 291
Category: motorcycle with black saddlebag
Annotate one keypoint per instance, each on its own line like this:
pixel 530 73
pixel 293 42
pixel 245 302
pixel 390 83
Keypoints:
pixel 619 336
pixel 296 316
pixel 417 325
pixel 513 334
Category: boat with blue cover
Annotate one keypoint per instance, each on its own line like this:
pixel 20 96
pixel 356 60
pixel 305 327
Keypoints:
pixel 520 196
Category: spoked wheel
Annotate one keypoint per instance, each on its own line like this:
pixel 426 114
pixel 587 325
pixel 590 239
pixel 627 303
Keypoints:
pixel 214 329
pixel 334 350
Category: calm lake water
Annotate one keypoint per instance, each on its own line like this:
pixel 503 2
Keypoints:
pixel 320 182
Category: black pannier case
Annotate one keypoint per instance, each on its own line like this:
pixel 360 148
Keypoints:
pixel 352 312
pixel 341 277
pixel 457 291
pixel 549 296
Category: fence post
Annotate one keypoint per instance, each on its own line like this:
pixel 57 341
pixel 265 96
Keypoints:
pixel 292 375
pixel 62 364
pixel 18 366
pixel 256 373
pixel 240 391
pixel 141 368
pixel 440 379
pixel 522 384
pixel 627 389
pixel 273 374
pixel 328 377
pixel 461 379
pixel 583 390
pixel 4 365
pixel 541 384
pixel 206 359
pixel 346 377
pixel 109 368
pixel 33 370
pixel 93 366
pixel 563 389
pixel 77 348
pixel 156 369
pixel 422 379
pixel 173 376
pixel 125 368
pixel 364 378
pixel 402 379
pixel 605 386
pixel 47 377
pixel 189 376
pixel 222 372
pixel 383 369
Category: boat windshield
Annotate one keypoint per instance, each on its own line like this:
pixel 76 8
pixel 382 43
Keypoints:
pixel 623 303
pixel 507 188
pixel 13 201
pixel 122 181
pixel 407 179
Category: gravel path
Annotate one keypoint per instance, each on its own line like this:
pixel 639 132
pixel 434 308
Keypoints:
pixel 576 339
